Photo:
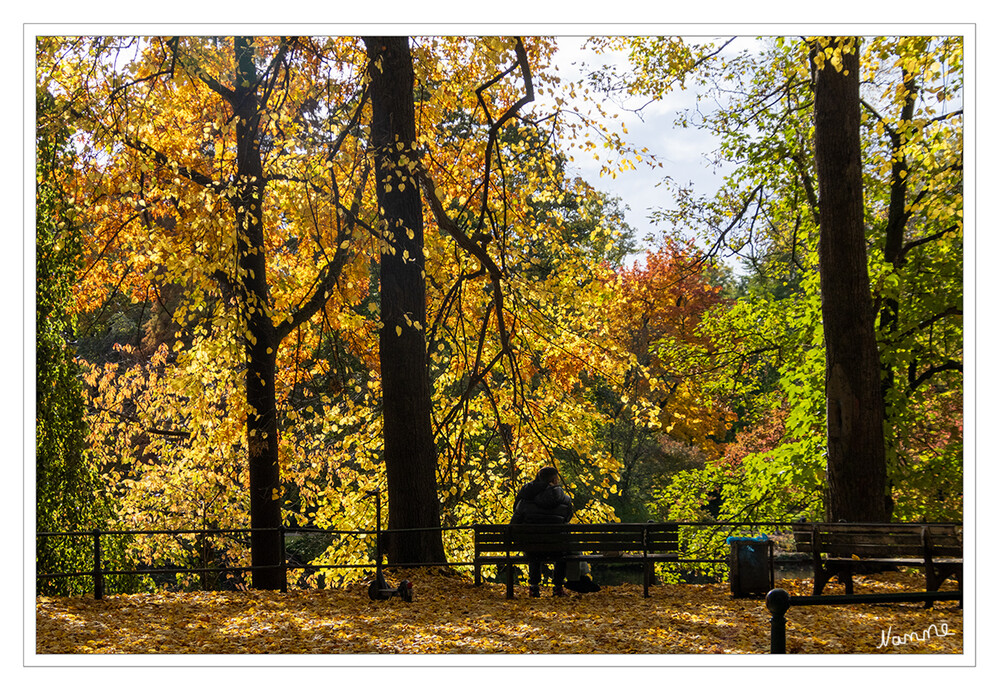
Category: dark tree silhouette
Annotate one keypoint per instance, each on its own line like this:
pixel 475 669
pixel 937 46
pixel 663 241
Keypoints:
pixel 856 468
pixel 410 453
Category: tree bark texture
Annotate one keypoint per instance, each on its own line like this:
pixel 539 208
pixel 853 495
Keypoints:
pixel 260 342
pixel 856 469
pixel 410 452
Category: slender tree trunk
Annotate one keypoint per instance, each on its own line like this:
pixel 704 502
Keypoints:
pixel 856 469
pixel 410 453
pixel 260 342
pixel 894 238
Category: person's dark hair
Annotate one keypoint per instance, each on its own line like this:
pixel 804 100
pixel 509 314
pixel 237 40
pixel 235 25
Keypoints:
pixel 547 474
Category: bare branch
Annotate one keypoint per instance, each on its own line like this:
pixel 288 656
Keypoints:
pixel 132 419
pixel 494 127
pixel 195 70
pixel 916 381
pixel 327 278
pixel 929 238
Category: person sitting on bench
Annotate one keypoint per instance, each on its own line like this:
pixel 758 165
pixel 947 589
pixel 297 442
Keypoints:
pixel 543 501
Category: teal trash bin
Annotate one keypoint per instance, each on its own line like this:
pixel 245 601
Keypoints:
pixel 751 565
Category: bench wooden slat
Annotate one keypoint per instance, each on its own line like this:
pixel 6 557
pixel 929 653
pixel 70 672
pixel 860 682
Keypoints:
pixel 518 558
pixel 568 545
pixel 837 548
pixel 645 543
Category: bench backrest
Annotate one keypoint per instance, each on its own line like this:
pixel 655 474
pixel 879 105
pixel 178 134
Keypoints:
pixel 609 537
pixel 898 540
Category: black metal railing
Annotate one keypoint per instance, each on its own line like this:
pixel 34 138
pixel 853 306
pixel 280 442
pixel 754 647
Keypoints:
pixel 697 550
pixel 99 571
pixel 779 602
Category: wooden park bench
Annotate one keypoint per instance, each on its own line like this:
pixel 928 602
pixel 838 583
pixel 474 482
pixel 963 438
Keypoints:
pixel 840 549
pixel 645 543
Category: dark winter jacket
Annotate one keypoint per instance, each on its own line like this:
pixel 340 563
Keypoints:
pixel 541 503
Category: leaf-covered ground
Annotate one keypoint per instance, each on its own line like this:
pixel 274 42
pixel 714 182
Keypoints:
pixel 449 615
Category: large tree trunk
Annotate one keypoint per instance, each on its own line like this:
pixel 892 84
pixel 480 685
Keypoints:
pixel 266 549
pixel 410 453
pixel 856 469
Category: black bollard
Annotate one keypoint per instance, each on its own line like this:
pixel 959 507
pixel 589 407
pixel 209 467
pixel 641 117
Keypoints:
pixel 778 602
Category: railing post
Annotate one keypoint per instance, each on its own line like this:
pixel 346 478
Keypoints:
pixel 284 561
pixel 509 563
pixel 646 563
pixel 778 602
pixel 98 569
pixel 203 540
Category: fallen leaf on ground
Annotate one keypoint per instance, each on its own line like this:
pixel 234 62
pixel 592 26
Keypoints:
pixel 449 615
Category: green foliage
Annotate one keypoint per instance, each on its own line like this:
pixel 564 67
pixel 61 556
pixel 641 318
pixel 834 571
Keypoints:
pixel 69 495
pixel 768 345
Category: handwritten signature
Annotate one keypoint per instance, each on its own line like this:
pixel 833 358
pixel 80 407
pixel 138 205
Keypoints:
pixel 908 638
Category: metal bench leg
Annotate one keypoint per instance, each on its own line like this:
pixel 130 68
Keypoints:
pixel 936 575
pixel 819 579
pixel 509 580
pixel 959 576
pixel 647 579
